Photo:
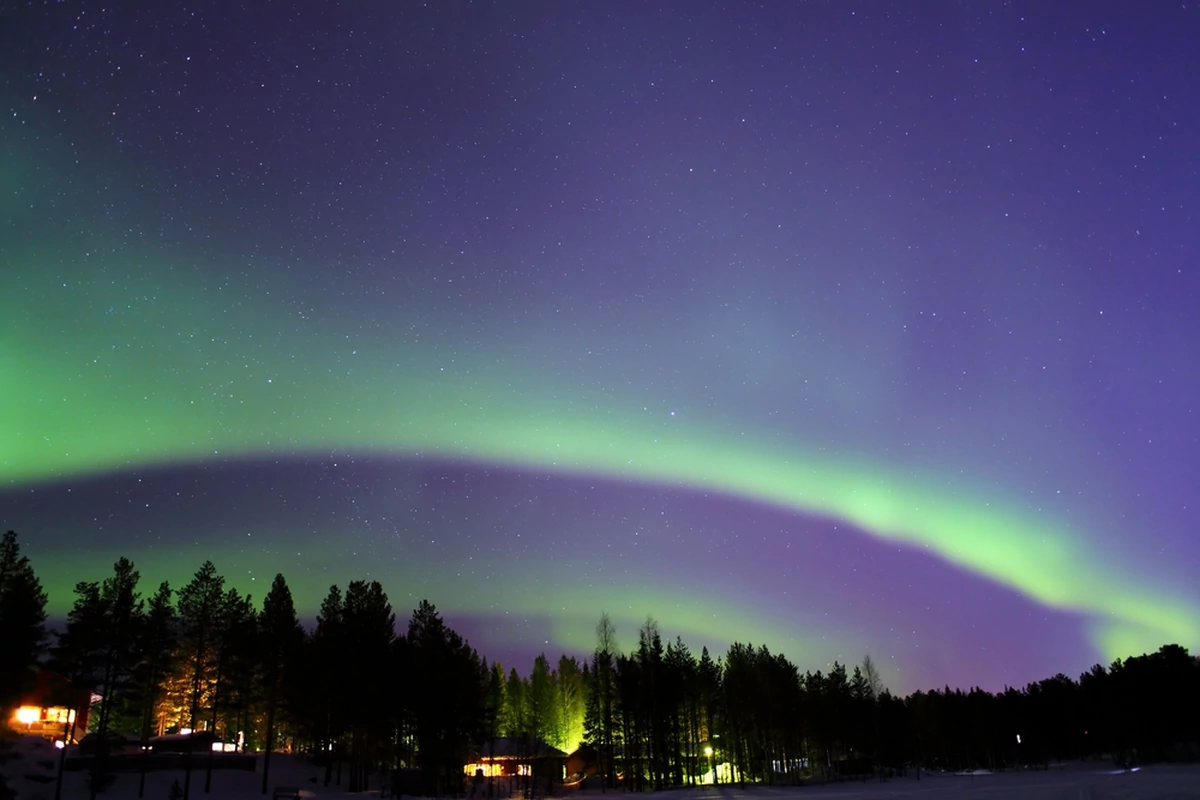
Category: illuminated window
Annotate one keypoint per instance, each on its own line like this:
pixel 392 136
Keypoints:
pixel 488 770
pixel 60 714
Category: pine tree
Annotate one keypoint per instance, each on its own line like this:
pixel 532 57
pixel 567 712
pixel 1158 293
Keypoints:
pixel 22 621
pixel 370 628
pixel 571 701
pixel 327 651
pixel 199 609
pixel 709 691
pixel 125 616
pixel 543 713
pixel 684 743
pixel 495 713
pixel 281 638
pixel 448 705
pixel 600 724
pixel 232 664
pixel 516 693
pixel 97 651
pixel 155 647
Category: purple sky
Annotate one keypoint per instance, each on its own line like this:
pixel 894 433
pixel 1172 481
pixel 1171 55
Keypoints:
pixel 845 328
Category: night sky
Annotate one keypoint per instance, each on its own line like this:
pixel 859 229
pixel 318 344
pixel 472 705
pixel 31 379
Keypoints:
pixel 841 327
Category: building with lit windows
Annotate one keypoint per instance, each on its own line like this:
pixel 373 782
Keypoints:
pixel 52 710
pixel 514 756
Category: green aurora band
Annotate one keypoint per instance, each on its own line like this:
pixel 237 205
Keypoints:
pixel 94 382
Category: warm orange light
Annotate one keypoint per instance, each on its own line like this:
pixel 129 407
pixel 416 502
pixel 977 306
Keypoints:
pixel 60 714
pixel 489 770
pixel 27 715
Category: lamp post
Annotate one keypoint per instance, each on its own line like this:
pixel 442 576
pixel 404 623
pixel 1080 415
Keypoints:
pixel 708 751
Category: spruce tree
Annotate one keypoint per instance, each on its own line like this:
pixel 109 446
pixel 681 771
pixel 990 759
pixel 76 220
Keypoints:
pixel 280 640
pixel 22 621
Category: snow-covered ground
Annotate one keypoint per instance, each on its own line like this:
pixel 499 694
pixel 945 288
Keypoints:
pixel 1086 781
pixel 1075 782
pixel 32 776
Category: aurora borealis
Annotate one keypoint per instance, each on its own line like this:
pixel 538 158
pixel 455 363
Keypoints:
pixel 843 328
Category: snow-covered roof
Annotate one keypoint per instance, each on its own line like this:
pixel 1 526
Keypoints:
pixel 509 748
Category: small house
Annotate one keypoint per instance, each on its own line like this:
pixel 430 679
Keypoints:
pixel 516 756
pixel 52 710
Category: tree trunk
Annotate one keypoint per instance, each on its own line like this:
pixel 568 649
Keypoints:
pixel 147 714
pixel 196 668
pixel 270 743
pixel 68 735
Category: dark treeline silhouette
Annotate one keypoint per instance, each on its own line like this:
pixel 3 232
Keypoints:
pixel 366 699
